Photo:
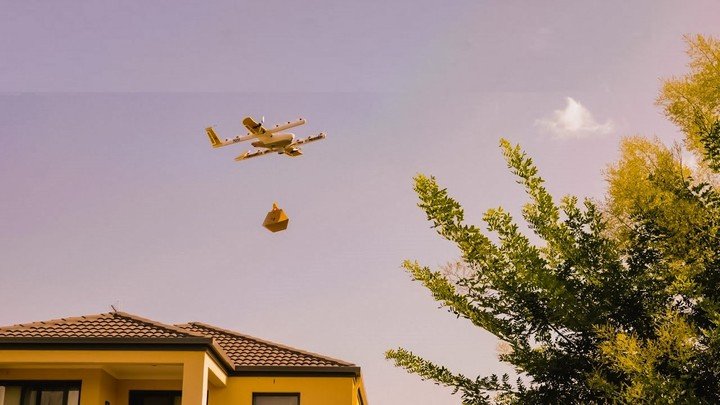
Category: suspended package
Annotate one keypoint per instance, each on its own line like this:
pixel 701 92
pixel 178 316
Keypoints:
pixel 276 220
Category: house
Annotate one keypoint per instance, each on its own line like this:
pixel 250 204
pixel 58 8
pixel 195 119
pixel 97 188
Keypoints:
pixel 122 359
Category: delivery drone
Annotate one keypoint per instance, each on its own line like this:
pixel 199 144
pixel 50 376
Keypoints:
pixel 270 140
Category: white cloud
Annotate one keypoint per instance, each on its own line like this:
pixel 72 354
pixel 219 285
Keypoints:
pixel 575 121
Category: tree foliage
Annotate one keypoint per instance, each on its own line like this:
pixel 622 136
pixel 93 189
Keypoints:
pixel 620 301
pixel 693 100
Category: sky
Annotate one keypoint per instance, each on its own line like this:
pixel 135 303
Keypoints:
pixel 110 193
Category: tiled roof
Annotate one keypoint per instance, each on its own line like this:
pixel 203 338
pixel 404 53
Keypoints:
pixel 246 350
pixel 239 350
pixel 114 325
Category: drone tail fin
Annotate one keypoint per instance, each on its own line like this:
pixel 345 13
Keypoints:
pixel 214 140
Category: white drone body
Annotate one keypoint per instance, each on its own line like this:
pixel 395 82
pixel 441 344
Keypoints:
pixel 267 140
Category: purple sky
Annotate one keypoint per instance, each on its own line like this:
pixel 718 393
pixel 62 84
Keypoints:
pixel 110 192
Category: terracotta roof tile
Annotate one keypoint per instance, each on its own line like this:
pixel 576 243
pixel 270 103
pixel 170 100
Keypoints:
pixel 108 325
pixel 246 350
pixel 241 350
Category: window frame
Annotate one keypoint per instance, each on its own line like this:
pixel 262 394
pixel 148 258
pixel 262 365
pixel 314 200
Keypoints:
pixel 275 394
pixel 45 385
pixel 137 395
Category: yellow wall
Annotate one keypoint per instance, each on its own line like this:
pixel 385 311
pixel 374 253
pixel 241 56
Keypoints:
pixel 359 387
pixel 313 390
pixel 197 365
pixel 199 370
pixel 107 389
pixel 98 387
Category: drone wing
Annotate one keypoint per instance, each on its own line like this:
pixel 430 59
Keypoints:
pixel 288 125
pixel 249 154
pixel 290 150
pixel 313 138
pixel 293 150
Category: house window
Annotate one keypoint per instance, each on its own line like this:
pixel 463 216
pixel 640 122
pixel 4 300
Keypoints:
pixel 39 393
pixel 276 398
pixel 155 397
pixel 10 395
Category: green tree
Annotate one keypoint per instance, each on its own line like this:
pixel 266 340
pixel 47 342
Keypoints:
pixel 649 186
pixel 692 101
pixel 620 302
pixel 676 359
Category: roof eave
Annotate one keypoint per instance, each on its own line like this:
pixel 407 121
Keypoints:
pixel 104 340
pixel 329 371
pixel 90 343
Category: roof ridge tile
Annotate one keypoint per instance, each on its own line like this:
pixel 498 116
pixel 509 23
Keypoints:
pixel 96 324
pixel 151 322
pixel 55 321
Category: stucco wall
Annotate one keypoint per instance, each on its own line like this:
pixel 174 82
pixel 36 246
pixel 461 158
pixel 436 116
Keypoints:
pixel 98 386
pixel 313 390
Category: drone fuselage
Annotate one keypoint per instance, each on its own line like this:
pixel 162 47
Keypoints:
pixel 273 140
